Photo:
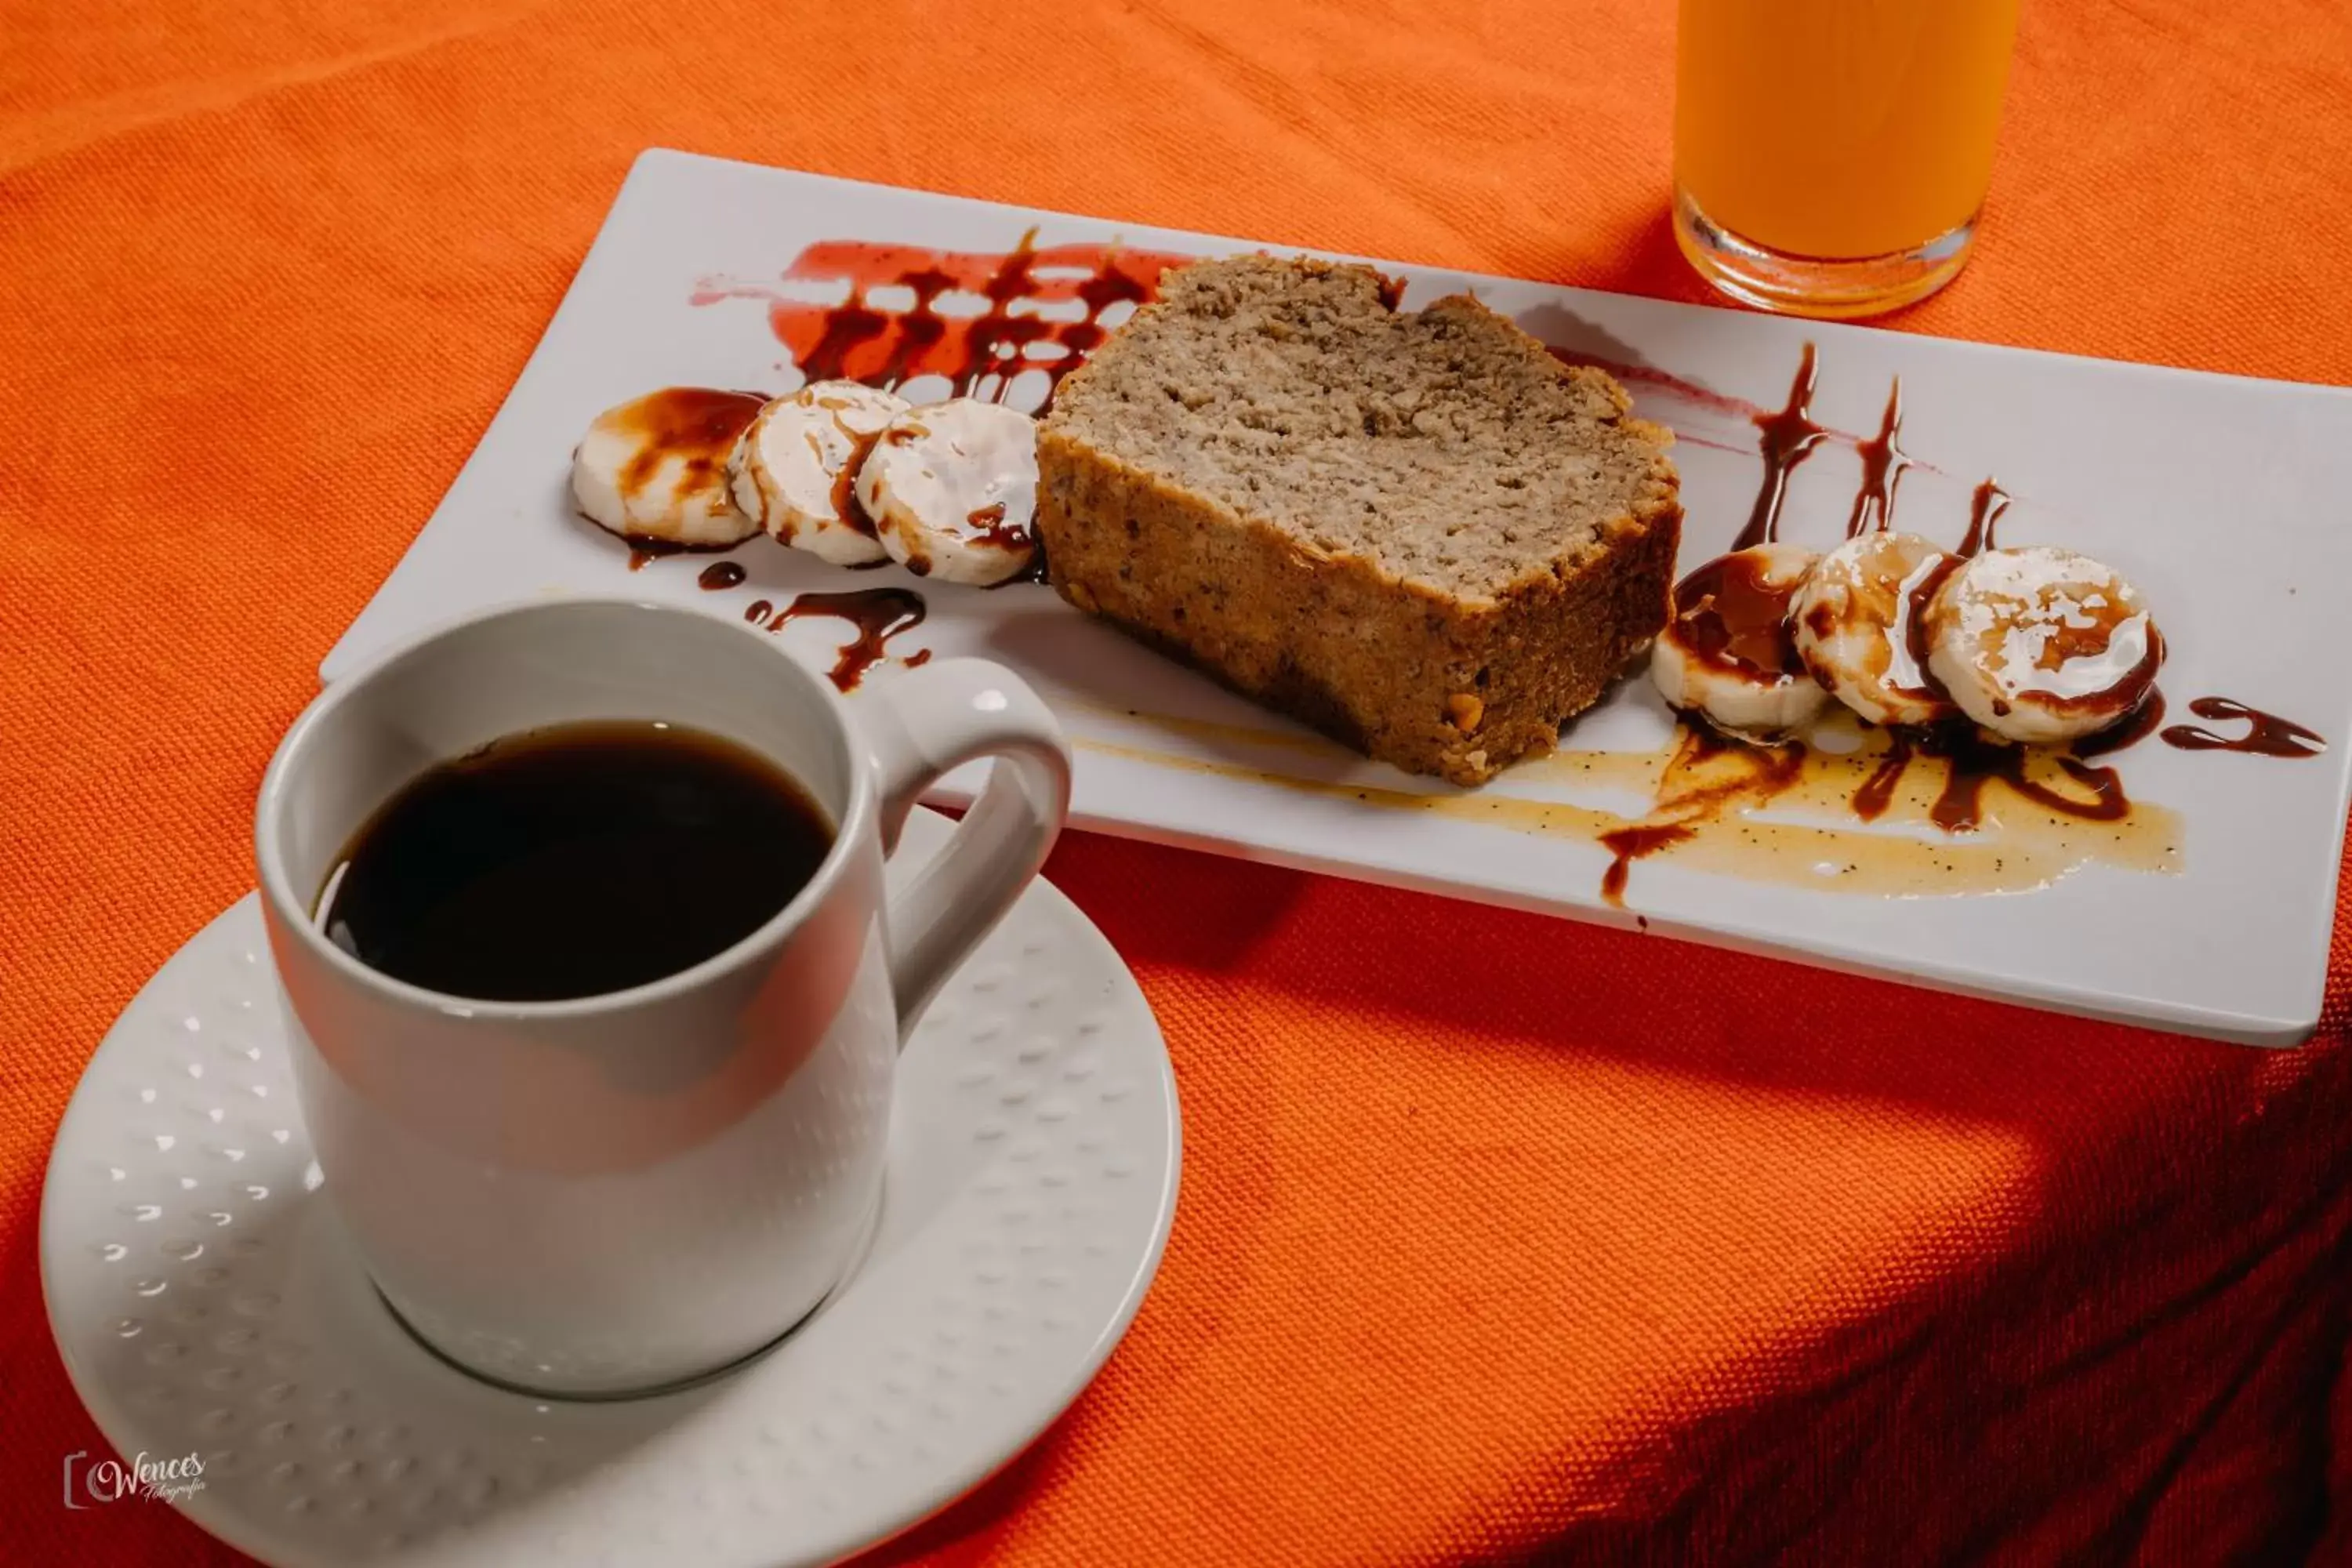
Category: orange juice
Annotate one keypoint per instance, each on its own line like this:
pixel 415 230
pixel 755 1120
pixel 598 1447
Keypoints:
pixel 1839 129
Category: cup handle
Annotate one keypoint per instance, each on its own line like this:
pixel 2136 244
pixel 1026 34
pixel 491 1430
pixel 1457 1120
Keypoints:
pixel 919 726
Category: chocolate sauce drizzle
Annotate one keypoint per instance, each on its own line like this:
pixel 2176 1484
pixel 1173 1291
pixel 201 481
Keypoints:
pixel 695 423
pixel 644 547
pixel 1985 509
pixel 1877 791
pixel 847 507
pixel 1882 462
pixel 1976 761
pixel 1789 438
pixel 1627 845
pixel 721 574
pixel 1740 625
pixel 1914 626
pixel 1729 615
pixel 2267 734
pixel 990 527
pixel 878 613
pixel 2129 731
pixel 1033 573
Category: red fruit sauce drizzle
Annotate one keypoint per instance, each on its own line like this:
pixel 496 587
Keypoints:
pixel 979 353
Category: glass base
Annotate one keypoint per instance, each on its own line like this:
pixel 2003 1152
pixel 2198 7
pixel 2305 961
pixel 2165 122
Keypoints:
pixel 1811 285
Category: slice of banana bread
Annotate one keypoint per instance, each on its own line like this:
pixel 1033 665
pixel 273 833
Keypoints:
pixel 1418 532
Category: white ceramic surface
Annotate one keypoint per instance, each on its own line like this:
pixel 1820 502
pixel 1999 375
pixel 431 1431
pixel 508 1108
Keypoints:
pixel 205 1298
pixel 2221 498
pixel 615 1193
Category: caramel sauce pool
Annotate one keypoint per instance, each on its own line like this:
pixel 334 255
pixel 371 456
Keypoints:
pixel 1785 814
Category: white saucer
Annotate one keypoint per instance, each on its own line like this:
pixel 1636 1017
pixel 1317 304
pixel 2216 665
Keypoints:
pixel 205 1300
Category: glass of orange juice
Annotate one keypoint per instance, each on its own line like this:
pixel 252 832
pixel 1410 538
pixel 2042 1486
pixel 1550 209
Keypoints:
pixel 1831 156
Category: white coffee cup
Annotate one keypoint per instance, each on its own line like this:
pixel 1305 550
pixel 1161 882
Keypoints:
pixel 623 1191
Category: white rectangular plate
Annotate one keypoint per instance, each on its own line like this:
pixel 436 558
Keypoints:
pixel 2223 498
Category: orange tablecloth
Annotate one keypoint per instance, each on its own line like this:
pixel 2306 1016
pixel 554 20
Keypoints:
pixel 1500 1236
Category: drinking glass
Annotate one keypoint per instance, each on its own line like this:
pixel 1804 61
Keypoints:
pixel 1831 156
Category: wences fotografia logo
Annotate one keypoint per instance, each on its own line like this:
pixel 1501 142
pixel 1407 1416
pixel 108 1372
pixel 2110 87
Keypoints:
pixel 111 1480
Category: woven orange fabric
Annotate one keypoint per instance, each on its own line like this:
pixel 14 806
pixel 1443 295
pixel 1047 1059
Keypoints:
pixel 1501 1238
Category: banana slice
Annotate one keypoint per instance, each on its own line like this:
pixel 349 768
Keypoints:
pixel 2042 645
pixel 1860 623
pixel 952 490
pixel 1730 652
pixel 655 468
pixel 795 470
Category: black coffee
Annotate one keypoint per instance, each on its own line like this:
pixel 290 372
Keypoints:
pixel 573 861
